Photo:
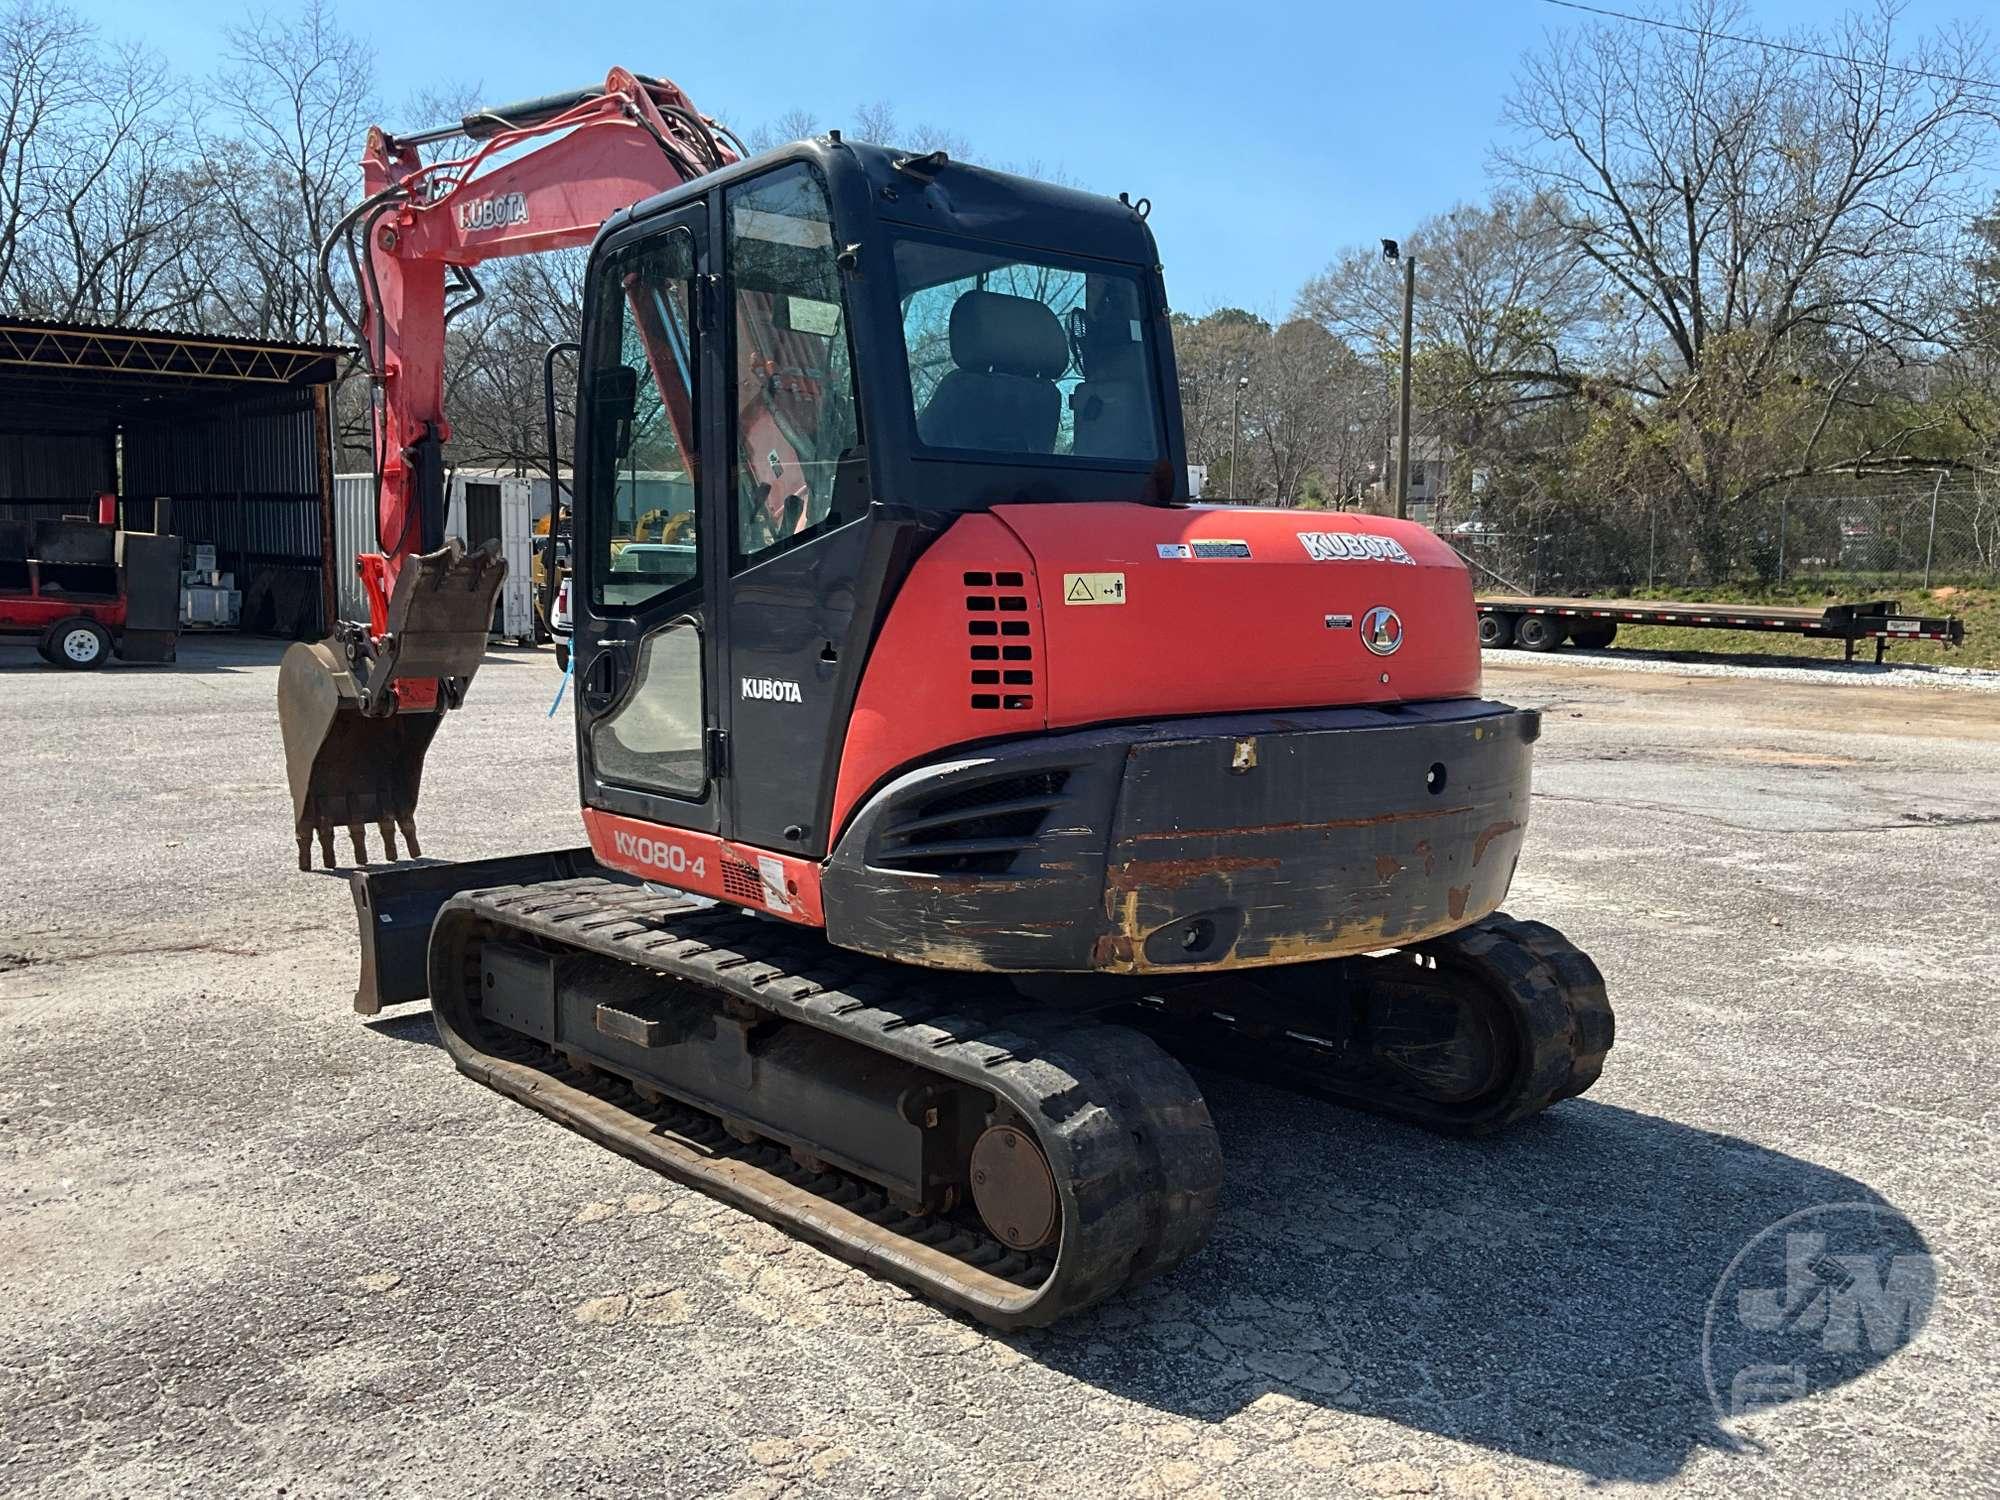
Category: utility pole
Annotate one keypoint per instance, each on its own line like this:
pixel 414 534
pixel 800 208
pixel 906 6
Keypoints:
pixel 1403 419
pixel 1930 537
pixel 1236 435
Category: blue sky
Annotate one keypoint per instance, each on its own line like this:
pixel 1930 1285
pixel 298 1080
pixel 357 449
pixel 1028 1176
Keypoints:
pixel 1267 135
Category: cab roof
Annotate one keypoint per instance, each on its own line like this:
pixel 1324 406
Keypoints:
pixel 945 197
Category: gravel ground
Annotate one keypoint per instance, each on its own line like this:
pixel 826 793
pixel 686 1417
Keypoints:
pixel 250 1245
pixel 1781 668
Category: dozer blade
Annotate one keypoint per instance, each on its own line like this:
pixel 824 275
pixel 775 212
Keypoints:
pixel 354 747
pixel 394 910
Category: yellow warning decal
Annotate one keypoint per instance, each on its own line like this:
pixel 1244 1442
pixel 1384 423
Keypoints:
pixel 1093 588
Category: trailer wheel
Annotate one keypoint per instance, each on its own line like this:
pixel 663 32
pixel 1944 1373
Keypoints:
pixel 1595 635
pixel 1538 633
pixel 78 645
pixel 1496 631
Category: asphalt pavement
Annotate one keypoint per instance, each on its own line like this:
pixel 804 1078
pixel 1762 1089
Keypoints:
pixel 252 1245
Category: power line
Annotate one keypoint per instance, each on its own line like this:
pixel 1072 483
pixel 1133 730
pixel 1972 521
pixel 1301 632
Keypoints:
pixel 1758 41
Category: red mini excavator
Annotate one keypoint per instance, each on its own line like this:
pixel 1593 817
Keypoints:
pixel 948 775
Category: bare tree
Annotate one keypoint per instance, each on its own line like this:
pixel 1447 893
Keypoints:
pixel 1297 404
pixel 46 60
pixel 878 123
pixel 119 208
pixel 1500 285
pixel 1766 229
pixel 297 97
pixel 1213 353
pixel 792 125
pixel 493 369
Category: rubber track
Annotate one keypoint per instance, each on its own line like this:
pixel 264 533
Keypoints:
pixel 1124 1128
pixel 1563 1028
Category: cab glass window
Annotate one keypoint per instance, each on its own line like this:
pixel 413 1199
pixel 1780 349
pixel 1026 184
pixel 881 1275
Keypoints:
pixel 643 442
pixel 1017 356
pixel 798 461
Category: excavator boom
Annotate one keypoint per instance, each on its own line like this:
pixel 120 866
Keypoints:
pixel 359 709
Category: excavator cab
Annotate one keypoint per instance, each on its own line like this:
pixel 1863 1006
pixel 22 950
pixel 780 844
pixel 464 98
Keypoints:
pixel 817 362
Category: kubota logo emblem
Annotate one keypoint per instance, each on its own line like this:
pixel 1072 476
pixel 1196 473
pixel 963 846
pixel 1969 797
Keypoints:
pixel 496 212
pixel 1353 546
pixel 772 690
pixel 1382 630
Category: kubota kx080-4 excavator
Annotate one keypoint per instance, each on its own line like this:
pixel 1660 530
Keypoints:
pixel 948 775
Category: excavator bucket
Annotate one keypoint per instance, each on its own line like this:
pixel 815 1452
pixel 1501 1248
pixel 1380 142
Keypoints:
pixel 354 746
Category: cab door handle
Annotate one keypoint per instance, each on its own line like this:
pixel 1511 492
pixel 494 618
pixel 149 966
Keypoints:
pixel 600 682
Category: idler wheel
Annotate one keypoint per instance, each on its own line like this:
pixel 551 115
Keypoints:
pixel 1014 1190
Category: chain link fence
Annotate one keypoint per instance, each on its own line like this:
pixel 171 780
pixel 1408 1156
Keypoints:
pixel 1907 533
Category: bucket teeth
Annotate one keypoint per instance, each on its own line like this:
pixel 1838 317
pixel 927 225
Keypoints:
pixel 357 834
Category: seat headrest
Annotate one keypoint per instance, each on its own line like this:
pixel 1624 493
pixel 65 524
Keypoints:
pixel 1007 335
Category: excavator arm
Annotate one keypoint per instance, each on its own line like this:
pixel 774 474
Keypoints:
pixel 358 709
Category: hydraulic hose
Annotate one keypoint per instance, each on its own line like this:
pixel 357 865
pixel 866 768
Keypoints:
pixel 555 473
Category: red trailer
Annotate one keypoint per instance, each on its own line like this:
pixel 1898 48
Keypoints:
pixel 85 590
pixel 74 632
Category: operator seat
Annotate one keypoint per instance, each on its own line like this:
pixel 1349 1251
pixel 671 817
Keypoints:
pixel 1112 404
pixel 1001 396
pixel 1114 401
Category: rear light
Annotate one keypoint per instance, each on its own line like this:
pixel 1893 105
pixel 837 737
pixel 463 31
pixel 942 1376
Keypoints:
pixel 560 621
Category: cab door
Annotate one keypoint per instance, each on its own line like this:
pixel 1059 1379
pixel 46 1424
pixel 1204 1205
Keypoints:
pixel 797 490
pixel 648 568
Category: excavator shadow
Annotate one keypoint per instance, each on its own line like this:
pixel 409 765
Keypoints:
pixel 1544 1294
pixel 413 1024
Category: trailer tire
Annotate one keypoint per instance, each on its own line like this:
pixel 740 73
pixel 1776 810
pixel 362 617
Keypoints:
pixel 1496 631
pixel 77 645
pixel 1594 635
pixel 1538 633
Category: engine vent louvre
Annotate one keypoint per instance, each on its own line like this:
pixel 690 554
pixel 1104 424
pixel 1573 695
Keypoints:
pixel 973 830
pixel 1002 641
pixel 741 882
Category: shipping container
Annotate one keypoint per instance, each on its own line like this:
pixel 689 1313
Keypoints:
pixel 480 505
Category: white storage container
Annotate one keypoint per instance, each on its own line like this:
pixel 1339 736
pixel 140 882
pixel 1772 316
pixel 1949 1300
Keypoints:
pixel 504 501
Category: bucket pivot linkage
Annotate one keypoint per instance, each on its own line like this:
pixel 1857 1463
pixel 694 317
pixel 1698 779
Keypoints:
pixel 358 711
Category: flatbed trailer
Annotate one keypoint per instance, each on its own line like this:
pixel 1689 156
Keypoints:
pixel 1538 623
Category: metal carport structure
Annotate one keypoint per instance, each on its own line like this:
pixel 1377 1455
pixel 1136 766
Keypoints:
pixel 235 434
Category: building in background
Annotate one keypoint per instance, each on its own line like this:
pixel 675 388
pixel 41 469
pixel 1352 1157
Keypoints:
pixel 224 442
